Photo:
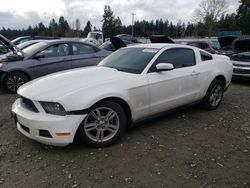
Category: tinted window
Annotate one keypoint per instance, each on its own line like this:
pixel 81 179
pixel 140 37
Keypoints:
pixel 79 49
pixel 205 56
pixel 133 60
pixel 56 51
pixel 179 57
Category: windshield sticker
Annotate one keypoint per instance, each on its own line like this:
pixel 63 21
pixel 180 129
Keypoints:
pixel 151 50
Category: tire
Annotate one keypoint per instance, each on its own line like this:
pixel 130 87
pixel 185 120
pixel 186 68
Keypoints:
pixel 214 95
pixel 103 126
pixel 13 81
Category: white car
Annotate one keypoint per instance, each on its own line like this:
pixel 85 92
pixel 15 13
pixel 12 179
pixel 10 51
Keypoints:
pixel 97 104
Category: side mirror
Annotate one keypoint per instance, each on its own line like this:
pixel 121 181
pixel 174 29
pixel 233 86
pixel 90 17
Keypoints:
pixel 39 56
pixel 164 67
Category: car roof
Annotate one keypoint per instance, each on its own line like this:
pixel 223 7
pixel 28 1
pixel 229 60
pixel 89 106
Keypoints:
pixel 159 45
pixel 66 40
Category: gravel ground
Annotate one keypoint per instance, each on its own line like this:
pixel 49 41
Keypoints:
pixel 189 148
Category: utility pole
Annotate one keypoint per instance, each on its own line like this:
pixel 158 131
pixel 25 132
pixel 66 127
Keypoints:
pixel 133 14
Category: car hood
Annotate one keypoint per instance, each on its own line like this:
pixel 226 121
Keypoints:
pixel 226 40
pixel 58 85
pixel 241 45
pixel 10 45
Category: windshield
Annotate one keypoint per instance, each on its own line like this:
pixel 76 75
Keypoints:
pixel 25 44
pixel 33 48
pixel 132 60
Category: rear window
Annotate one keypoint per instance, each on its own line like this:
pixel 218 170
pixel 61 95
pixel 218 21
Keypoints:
pixel 205 56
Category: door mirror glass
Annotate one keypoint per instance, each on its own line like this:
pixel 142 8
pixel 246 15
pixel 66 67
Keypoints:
pixel 164 67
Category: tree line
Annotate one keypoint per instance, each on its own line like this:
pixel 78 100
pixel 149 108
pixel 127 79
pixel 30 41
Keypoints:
pixel 208 23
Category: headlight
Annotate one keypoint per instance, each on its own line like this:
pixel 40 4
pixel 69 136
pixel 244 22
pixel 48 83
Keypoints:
pixel 53 108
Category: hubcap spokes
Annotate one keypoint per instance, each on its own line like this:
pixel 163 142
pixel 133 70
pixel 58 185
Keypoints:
pixel 101 124
pixel 216 95
pixel 14 83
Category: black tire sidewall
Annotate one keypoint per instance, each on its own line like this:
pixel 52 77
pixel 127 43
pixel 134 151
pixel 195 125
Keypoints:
pixel 206 100
pixel 17 74
pixel 81 134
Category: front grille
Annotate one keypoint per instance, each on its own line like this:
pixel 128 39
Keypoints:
pixel 241 71
pixel 26 129
pixel 242 65
pixel 29 105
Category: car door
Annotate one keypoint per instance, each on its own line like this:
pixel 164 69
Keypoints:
pixel 52 59
pixel 169 89
pixel 84 55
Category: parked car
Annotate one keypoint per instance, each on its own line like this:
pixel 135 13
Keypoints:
pixel 241 58
pixel 22 39
pixel 202 45
pixel 28 44
pixel 109 45
pixel 127 37
pixel 226 45
pixel 160 39
pixel 22 46
pixel 44 58
pixel 199 44
pixel 213 41
pixel 97 104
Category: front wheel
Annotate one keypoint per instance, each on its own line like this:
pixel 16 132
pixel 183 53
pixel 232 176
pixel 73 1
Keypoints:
pixel 214 95
pixel 105 124
pixel 13 81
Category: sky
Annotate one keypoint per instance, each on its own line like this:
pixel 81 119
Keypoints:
pixel 18 14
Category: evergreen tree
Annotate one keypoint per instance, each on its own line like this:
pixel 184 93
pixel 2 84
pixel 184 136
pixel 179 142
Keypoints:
pixel 87 29
pixel 109 22
pixel 243 17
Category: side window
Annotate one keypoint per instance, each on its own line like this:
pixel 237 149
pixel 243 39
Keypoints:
pixel 205 56
pixel 179 57
pixel 57 50
pixel 79 49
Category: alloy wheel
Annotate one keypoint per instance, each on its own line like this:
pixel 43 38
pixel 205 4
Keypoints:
pixel 101 124
pixel 14 82
pixel 216 95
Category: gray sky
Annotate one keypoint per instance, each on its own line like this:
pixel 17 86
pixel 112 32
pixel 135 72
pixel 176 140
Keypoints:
pixel 22 13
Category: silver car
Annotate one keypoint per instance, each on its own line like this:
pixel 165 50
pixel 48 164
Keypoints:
pixel 241 58
pixel 43 58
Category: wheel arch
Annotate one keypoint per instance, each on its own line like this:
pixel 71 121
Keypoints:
pixel 15 71
pixel 123 104
pixel 221 78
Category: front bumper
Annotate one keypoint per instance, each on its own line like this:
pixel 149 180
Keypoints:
pixel 241 69
pixel 44 127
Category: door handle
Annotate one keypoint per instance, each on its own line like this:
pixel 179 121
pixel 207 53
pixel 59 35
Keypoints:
pixel 195 73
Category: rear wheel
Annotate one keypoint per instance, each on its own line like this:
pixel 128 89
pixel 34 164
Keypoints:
pixel 105 124
pixel 214 95
pixel 13 81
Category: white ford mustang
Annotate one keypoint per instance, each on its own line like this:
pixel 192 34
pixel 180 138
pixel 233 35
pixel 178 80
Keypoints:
pixel 97 104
